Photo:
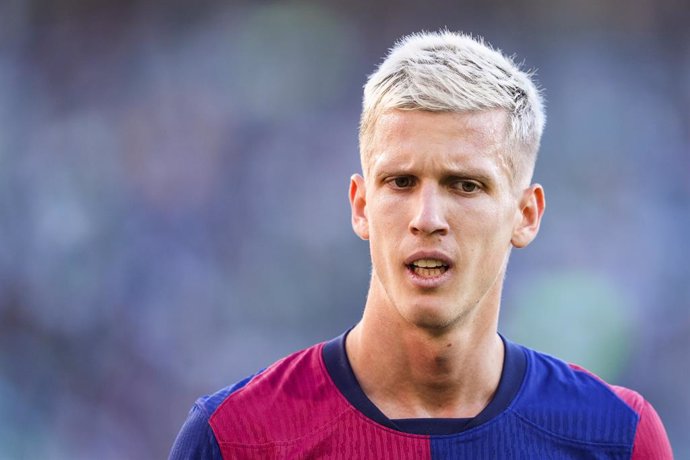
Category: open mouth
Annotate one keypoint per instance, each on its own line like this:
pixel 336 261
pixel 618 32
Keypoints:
pixel 428 268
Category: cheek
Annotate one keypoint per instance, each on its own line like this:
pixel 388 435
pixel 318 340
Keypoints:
pixel 483 228
pixel 386 231
pixel 386 214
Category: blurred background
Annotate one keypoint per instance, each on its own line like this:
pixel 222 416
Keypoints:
pixel 174 215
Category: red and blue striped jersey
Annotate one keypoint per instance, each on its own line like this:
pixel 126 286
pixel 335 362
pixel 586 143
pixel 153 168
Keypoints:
pixel 309 405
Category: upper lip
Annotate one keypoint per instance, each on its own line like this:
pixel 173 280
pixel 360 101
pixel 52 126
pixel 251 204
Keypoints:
pixel 436 255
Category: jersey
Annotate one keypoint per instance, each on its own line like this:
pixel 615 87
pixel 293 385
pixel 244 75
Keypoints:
pixel 310 405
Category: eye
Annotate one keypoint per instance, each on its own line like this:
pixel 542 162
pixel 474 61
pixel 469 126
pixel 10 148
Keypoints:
pixel 403 182
pixel 467 186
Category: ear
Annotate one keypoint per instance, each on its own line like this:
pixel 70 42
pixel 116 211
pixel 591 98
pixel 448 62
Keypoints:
pixel 530 211
pixel 358 204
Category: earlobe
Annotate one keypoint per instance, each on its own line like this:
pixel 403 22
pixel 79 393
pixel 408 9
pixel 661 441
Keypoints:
pixel 531 210
pixel 358 204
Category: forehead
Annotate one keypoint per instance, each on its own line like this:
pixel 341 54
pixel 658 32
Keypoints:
pixel 417 138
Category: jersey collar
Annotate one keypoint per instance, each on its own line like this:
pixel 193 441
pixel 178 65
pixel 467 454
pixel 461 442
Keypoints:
pixel 338 367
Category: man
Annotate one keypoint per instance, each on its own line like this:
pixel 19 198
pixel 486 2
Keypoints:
pixel 449 135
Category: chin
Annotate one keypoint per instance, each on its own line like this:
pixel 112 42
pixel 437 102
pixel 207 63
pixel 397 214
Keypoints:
pixel 430 317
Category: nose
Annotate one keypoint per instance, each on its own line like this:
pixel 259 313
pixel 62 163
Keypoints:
pixel 429 216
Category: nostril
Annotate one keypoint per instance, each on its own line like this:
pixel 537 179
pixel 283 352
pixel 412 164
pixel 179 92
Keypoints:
pixel 429 224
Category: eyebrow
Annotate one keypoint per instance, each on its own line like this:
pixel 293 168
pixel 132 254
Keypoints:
pixel 470 173
pixel 465 173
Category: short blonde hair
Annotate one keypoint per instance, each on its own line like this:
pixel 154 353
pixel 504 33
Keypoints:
pixel 454 72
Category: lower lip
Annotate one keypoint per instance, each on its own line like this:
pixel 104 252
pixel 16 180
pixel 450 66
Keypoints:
pixel 427 282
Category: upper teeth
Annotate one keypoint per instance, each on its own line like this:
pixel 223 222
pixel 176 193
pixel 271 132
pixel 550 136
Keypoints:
pixel 428 263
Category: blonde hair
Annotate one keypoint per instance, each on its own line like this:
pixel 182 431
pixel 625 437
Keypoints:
pixel 453 72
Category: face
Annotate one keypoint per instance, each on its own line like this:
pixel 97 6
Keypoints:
pixel 441 214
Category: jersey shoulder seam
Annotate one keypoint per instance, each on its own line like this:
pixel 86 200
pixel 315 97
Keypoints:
pixel 560 437
pixel 610 388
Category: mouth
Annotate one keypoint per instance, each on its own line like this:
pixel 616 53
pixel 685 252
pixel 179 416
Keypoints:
pixel 428 268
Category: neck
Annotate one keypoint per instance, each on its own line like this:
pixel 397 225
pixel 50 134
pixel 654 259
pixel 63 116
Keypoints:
pixel 452 373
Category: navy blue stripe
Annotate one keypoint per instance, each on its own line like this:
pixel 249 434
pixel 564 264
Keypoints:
pixel 338 367
pixel 436 426
pixel 512 376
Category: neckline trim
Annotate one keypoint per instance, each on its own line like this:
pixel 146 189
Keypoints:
pixel 339 368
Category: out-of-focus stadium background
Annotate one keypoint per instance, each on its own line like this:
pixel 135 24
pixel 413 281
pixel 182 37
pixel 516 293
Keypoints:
pixel 173 211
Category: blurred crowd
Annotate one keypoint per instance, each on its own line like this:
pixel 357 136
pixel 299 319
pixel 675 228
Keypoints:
pixel 174 216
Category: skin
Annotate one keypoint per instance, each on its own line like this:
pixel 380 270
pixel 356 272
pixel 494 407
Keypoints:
pixel 437 182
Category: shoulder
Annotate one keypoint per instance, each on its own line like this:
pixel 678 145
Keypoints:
pixel 289 399
pixel 651 440
pixel 568 401
pixel 195 439
pixel 242 412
